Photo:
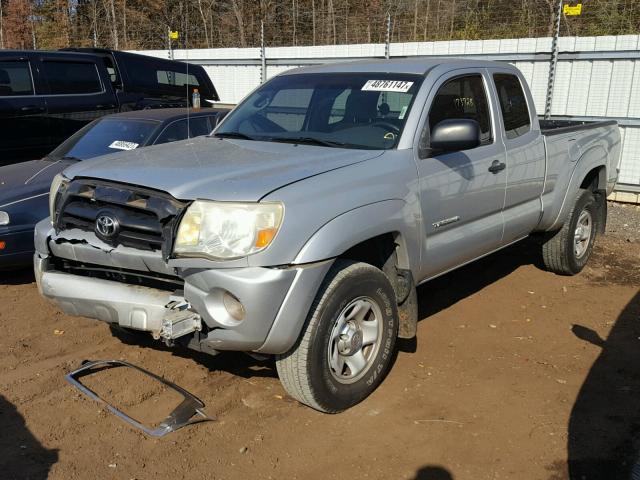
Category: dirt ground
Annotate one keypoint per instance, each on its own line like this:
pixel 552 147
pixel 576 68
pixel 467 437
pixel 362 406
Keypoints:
pixel 516 373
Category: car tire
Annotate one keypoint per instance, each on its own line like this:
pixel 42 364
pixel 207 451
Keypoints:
pixel 567 251
pixel 346 346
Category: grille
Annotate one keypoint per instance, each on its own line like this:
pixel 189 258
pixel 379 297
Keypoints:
pixel 133 217
pixel 122 275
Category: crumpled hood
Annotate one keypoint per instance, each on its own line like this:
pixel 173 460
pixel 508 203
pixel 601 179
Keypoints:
pixel 219 169
pixel 21 181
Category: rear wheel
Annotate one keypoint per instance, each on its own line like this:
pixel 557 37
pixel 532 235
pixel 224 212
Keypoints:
pixel 346 346
pixel 567 251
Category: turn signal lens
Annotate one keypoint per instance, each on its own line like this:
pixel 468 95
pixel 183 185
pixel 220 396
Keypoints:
pixel 264 237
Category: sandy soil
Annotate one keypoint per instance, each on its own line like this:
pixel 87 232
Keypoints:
pixel 515 374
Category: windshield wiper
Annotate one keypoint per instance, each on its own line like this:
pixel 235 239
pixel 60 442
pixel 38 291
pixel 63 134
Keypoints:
pixel 75 159
pixel 308 141
pixel 234 135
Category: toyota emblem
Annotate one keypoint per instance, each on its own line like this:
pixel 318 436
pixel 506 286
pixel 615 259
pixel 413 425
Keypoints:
pixel 106 226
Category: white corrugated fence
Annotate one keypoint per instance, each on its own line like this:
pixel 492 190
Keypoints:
pixel 597 77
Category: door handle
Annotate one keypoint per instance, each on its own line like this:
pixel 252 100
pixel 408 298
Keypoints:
pixel 32 109
pixel 497 166
pixel 108 106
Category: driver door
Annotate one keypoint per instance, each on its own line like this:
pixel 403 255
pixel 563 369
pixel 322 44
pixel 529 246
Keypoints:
pixel 461 198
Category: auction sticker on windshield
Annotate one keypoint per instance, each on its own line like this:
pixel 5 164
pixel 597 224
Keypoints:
pixel 387 86
pixel 122 145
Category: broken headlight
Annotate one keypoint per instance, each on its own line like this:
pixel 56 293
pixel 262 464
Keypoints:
pixel 59 182
pixel 227 230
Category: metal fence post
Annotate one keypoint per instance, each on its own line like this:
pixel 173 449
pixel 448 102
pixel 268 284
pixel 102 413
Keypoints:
pixel 263 55
pixel 387 39
pixel 554 62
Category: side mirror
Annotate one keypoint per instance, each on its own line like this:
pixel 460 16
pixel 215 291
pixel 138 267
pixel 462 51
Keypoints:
pixel 455 134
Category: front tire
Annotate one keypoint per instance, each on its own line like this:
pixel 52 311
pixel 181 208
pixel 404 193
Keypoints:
pixel 346 346
pixel 567 251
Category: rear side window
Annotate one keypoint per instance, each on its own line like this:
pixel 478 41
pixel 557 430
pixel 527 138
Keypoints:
pixel 463 97
pixel 513 104
pixel 155 76
pixel 176 79
pixel 181 130
pixel 67 78
pixel 199 126
pixel 15 79
pixel 174 132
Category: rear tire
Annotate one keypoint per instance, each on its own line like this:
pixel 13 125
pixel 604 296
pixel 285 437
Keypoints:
pixel 346 346
pixel 567 251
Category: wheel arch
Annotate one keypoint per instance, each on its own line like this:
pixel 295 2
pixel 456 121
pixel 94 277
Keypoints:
pixel 590 172
pixel 358 233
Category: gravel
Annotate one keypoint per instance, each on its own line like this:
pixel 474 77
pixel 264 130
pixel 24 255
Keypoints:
pixel 623 221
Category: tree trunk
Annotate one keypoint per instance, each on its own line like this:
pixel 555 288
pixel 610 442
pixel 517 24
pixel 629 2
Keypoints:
pixel 426 21
pixel 313 20
pixel 238 14
pixel 293 20
pixel 1 27
pixel 415 20
pixel 204 24
pixel 125 30
pixel 453 17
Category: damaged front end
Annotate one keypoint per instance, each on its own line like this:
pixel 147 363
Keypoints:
pixel 108 257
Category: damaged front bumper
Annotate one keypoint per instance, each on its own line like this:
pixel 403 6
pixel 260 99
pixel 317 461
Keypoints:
pixel 274 301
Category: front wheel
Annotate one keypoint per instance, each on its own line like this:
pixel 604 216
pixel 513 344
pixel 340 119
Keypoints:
pixel 567 251
pixel 346 346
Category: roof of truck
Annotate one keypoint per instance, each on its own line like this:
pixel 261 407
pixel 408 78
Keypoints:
pixel 411 65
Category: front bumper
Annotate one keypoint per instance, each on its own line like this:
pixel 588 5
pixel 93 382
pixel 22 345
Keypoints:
pixel 275 300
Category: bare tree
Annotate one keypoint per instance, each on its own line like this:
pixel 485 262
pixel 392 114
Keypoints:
pixel 238 13
pixel 1 26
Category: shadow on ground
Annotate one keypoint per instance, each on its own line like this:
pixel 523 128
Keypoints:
pixel 604 427
pixel 21 454
pixel 235 363
pixel 447 290
pixel 433 297
pixel 433 472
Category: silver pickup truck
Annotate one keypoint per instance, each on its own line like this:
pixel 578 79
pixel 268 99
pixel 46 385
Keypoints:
pixel 301 227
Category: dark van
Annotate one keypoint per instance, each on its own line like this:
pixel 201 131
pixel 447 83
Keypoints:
pixel 45 97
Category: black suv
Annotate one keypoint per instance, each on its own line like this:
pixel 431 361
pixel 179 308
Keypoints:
pixel 45 97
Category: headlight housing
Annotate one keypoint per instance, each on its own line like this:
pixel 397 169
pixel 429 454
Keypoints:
pixel 4 218
pixel 227 230
pixel 58 183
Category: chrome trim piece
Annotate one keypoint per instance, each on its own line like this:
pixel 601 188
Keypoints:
pixel 445 221
pixel 182 416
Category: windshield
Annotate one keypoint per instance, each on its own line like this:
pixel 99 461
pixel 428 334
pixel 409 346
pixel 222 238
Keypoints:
pixel 351 110
pixel 106 135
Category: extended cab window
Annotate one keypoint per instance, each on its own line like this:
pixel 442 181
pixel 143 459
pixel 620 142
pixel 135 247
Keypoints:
pixel 513 104
pixel 15 79
pixel 463 97
pixel 72 77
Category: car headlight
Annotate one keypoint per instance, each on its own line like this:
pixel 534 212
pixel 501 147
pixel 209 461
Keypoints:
pixel 4 218
pixel 227 230
pixel 58 183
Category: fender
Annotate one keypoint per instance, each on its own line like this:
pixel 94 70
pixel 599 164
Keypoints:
pixel 363 223
pixel 595 157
